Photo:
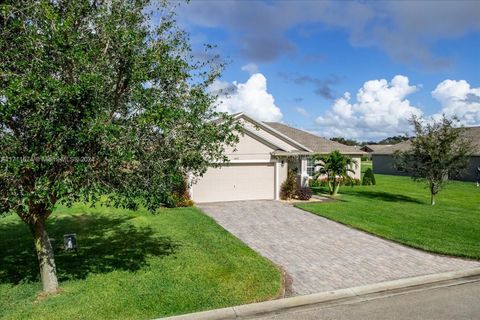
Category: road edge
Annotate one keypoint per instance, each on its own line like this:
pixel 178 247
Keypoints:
pixel 259 308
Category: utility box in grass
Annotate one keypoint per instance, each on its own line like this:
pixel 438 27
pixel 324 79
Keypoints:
pixel 70 241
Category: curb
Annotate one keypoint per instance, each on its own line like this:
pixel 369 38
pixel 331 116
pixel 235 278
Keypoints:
pixel 248 310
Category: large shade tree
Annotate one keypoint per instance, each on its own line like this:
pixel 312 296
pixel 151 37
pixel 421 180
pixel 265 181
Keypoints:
pixel 439 151
pixel 97 98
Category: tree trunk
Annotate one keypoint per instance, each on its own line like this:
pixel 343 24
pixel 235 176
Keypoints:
pixel 48 272
pixel 335 191
pixel 335 187
pixel 432 199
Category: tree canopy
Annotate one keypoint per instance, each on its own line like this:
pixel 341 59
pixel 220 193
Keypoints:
pixel 438 151
pixel 97 100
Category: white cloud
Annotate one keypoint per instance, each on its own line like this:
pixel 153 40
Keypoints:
pixel 459 99
pixel 302 111
pixel 251 68
pixel 250 97
pixel 381 109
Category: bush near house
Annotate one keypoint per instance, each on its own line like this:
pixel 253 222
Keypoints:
pixel 368 178
pixel 323 182
pixel 288 189
pixel 304 193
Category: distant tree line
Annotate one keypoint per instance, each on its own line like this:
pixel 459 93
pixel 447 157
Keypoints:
pixel 353 142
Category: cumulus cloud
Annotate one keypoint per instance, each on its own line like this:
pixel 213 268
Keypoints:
pixel 250 97
pixel 381 109
pixel 302 111
pixel 459 99
pixel 250 68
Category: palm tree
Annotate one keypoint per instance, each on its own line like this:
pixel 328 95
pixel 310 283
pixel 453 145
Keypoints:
pixel 336 167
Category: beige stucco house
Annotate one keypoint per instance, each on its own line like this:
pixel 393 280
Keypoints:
pixel 383 160
pixel 259 163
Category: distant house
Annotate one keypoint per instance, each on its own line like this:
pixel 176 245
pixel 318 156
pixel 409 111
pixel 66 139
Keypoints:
pixel 370 148
pixel 383 162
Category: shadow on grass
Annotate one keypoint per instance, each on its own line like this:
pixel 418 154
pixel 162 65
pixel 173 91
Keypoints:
pixel 105 244
pixel 376 195
pixel 381 195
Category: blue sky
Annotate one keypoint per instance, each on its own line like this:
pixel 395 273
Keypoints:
pixel 305 62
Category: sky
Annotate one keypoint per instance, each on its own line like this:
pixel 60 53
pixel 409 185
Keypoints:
pixel 355 69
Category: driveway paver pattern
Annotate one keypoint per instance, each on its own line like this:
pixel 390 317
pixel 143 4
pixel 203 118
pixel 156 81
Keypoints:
pixel 320 254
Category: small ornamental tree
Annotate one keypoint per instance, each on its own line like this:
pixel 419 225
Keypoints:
pixel 368 178
pixel 336 167
pixel 438 151
pixel 288 189
pixel 96 100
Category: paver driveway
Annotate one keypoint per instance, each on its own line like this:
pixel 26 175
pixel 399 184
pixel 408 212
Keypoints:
pixel 320 254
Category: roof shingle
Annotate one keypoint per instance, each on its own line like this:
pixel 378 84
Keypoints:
pixel 473 133
pixel 313 142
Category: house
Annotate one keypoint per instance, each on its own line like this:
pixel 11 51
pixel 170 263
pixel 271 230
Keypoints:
pixel 383 161
pixel 370 148
pixel 260 161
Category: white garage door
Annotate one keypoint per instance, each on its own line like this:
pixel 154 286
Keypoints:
pixel 236 182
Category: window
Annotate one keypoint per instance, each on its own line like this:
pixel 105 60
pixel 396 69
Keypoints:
pixel 310 167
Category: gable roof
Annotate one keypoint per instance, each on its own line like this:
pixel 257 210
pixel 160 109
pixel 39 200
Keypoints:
pixel 472 133
pixel 374 147
pixel 315 143
pixel 270 135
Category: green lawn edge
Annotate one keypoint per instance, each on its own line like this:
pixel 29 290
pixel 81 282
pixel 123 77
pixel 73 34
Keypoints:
pixel 209 268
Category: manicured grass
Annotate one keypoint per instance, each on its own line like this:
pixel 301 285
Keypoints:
pixel 365 165
pixel 398 209
pixel 132 265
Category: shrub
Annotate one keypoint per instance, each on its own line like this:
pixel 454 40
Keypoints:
pixel 368 178
pixel 180 196
pixel 323 182
pixel 365 158
pixel 288 189
pixel 304 193
pixel 314 183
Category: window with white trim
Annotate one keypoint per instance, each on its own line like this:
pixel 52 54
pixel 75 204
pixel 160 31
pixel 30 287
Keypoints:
pixel 310 167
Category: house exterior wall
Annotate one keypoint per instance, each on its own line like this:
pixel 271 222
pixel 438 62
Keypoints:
pixel 358 168
pixel 249 148
pixel 383 164
pixel 471 171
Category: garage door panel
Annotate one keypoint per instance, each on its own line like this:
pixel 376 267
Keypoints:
pixel 236 182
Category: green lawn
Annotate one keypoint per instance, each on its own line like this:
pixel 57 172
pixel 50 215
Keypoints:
pixel 132 265
pixel 398 209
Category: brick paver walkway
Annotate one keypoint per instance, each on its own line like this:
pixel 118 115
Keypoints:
pixel 320 254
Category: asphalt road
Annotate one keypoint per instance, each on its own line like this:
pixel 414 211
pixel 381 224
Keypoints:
pixel 457 302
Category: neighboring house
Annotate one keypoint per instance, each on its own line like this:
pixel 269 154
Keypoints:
pixel 260 161
pixel 370 148
pixel 383 161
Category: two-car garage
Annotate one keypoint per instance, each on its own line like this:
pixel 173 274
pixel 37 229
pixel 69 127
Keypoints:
pixel 236 181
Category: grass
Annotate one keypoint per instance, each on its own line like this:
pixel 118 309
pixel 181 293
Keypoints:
pixel 132 265
pixel 399 209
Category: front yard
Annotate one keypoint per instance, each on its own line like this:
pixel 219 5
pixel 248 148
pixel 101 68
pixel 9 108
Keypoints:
pixel 132 265
pixel 398 209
